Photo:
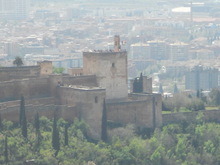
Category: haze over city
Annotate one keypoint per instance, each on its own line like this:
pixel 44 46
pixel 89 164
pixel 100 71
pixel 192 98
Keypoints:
pixel 135 81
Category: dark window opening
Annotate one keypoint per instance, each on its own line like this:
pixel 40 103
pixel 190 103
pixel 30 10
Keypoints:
pixel 96 99
pixel 113 65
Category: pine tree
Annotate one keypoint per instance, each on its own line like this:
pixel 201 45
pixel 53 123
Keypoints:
pixel 18 61
pixel 6 150
pixel 66 139
pixel 55 137
pixel 104 135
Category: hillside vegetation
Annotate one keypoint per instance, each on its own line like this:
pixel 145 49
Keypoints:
pixel 194 144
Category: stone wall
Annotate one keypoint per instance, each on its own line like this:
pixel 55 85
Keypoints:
pixel 12 113
pixel 85 80
pixel 75 71
pixel 38 101
pixel 144 110
pixel 30 88
pixel 10 73
pixel 210 115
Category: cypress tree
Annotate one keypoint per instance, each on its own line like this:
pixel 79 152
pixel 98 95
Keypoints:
pixel 37 123
pixel 55 137
pixel 135 85
pixel 198 93
pixel 104 135
pixel 175 89
pixel 22 119
pixel 22 109
pixel 66 139
pixel 1 125
pixel 37 129
pixel 24 125
pixel 141 83
pixel 161 89
pixel 6 150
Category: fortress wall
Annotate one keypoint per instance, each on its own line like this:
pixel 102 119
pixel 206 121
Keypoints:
pixel 140 111
pixel 30 88
pixel 135 112
pixel 209 116
pixel 40 101
pixel 10 73
pixel 12 113
pixel 86 80
pixel 89 102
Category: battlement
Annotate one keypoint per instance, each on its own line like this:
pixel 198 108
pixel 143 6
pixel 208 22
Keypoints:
pixel 82 88
pixel 12 68
pixel 104 52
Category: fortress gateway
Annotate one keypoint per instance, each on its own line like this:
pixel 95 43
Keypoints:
pixel 81 93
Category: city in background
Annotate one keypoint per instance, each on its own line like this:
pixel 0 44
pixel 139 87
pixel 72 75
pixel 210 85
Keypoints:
pixel 164 39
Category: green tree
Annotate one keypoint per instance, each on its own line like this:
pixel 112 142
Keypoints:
pixel 215 97
pixel 104 135
pixel 18 61
pixel 55 136
pixel 58 70
pixel 6 150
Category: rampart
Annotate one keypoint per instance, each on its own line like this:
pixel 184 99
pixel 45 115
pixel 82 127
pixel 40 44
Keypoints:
pixel 21 72
pixel 143 110
pixel 209 116
pixel 85 80
pixel 36 101
pixel 66 112
pixel 30 88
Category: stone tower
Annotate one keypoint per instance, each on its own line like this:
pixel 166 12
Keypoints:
pixel 110 68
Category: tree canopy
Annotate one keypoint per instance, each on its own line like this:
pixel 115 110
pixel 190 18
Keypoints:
pixel 18 61
pixel 183 143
